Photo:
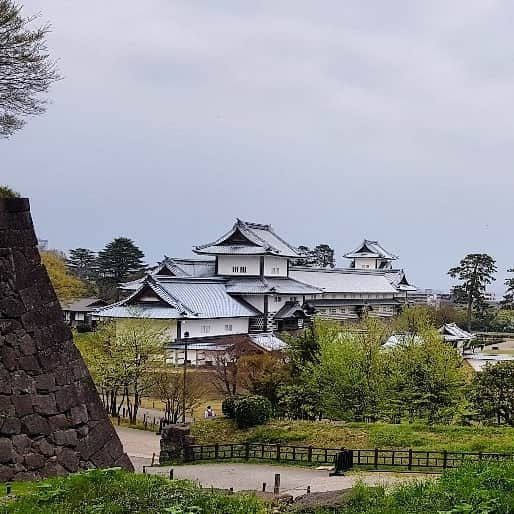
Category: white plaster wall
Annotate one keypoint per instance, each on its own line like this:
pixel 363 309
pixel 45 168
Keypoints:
pixel 217 327
pixel 275 262
pixel 365 263
pixel 275 306
pixel 226 262
pixel 257 300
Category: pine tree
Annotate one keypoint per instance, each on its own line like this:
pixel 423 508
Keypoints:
pixel 476 270
pixel 322 256
pixel 508 298
pixel 120 259
pixel 82 262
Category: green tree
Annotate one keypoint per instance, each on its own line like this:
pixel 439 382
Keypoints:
pixel 322 256
pixel 7 192
pixel 475 271
pixel 125 358
pixel 119 261
pixel 350 373
pixel 493 392
pixel 426 378
pixel 66 285
pixel 503 321
pixel 508 298
pixel 263 374
pixel 26 71
pixel 82 262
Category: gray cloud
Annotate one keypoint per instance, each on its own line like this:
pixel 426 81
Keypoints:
pixel 334 121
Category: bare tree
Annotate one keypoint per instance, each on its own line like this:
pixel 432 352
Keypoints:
pixel 26 70
pixel 169 388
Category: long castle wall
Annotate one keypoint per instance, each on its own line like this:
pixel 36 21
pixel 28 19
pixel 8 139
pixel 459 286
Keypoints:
pixel 51 419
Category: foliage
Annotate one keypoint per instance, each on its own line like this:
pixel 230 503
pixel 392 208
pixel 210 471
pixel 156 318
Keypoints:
pixel 322 256
pixel 426 379
pixel 303 349
pixel 26 71
pixel 168 386
pixel 493 392
pixel 119 261
pixel 263 374
pixel 65 284
pixel 484 488
pixel 7 192
pixel 417 435
pixel 115 491
pixel 252 410
pixel 82 262
pixel 508 298
pixel 475 271
pixel 350 374
pixel 124 358
pixel 228 406
pixel 299 401
pixel 503 321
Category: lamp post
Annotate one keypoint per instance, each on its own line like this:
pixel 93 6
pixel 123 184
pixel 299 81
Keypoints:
pixel 186 335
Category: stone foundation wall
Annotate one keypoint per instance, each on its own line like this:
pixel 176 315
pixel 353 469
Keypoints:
pixel 51 419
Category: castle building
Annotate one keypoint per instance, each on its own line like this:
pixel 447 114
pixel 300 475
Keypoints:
pixel 244 284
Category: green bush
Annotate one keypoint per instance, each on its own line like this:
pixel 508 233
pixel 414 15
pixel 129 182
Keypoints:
pixel 228 406
pixel 7 192
pixel 116 492
pixel 252 410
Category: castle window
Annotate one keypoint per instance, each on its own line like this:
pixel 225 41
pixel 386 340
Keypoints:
pixel 235 269
pixel 242 269
pixel 228 328
pixel 278 299
pixel 206 329
pixel 333 311
pixel 275 271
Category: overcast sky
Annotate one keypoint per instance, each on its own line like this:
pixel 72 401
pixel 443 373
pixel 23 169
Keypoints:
pixel 331 120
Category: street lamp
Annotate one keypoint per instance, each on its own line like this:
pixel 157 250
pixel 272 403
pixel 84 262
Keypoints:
pixel 186 335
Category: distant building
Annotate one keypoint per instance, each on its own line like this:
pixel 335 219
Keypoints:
pixel 244 284
pixel 80 310
pixel 431 297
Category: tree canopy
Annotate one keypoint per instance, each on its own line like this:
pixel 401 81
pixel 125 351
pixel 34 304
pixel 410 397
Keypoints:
pixel 322 256
pixel 65 284
pixel 475 271
pixel 7 192
pixel 508 298
pixel 26 70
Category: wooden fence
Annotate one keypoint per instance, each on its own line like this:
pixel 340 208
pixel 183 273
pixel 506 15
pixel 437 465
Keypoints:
pixel 411 460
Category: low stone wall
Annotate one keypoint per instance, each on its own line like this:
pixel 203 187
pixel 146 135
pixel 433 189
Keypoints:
pixel 174 442
pixel 51 419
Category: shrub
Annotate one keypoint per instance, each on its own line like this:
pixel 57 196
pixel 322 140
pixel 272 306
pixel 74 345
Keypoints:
pixel 252 410
pixel 7 192
pixel 228 406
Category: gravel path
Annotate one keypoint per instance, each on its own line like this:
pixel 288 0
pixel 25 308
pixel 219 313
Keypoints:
pixel 141 445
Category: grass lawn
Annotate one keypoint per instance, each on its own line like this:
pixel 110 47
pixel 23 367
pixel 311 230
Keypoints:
pixel 361 435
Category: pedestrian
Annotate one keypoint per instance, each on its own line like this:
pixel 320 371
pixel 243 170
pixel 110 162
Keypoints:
pixel 209 413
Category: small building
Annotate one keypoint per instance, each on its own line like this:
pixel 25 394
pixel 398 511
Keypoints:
pixel 79 311
pixel 456 336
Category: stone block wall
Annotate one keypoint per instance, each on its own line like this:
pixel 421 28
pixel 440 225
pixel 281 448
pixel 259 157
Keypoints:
pixel 51 419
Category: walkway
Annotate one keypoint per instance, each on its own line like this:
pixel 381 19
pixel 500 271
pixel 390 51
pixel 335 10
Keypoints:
pixel 140 445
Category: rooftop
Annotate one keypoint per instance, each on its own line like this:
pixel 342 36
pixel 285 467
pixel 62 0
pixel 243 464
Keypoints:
pixel 247 238
pixel 371 249
pixel 343 280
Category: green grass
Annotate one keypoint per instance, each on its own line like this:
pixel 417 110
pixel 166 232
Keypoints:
pixel 117 492
pixel 478 489
pixel 417 436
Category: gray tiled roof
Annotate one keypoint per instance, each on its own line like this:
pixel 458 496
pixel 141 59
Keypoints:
pixel 187 298
pixel 262 240
pixel 261 285
pixel 371 249
pixel 82 304
pixel 343 281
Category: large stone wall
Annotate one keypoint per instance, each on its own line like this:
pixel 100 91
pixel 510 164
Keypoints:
pixel 51 419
